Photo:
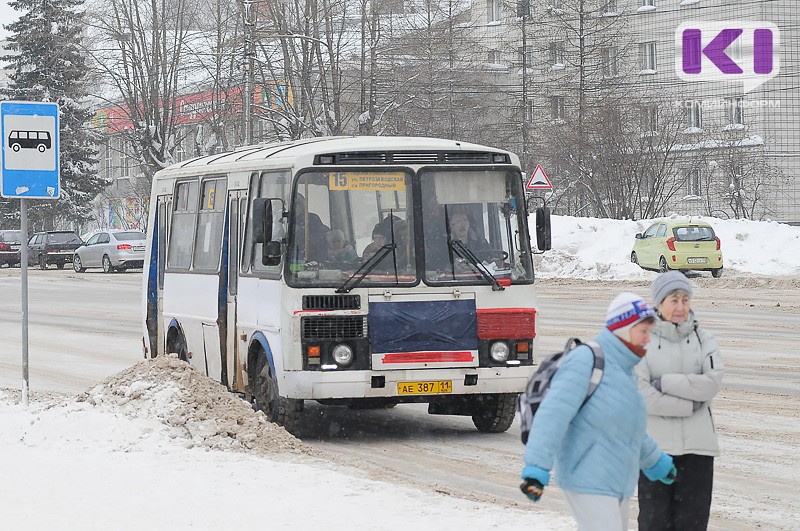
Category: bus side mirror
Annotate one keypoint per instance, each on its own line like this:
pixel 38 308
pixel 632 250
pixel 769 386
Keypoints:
pixel 543 236
pixel 271 253
pixel 262 220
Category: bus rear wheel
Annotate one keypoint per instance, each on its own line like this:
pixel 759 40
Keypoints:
pixel 285 412
pixel 494 413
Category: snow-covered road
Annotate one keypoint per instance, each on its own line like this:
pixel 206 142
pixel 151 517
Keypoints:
pixel 86 327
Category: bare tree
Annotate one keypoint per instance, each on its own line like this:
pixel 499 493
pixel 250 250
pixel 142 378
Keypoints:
pixel 300 52
pixel 577 55
pixel 140 51
pixel 432 78
pixel 744 175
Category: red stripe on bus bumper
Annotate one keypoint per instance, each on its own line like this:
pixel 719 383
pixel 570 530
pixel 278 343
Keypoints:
pixel 428 357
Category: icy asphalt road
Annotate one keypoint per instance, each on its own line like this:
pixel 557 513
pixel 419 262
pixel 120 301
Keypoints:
pixel 84 327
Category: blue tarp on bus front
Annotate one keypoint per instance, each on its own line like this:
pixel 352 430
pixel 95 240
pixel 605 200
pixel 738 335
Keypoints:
pixel 423 326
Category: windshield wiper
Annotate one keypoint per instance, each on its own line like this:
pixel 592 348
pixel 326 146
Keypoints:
pixel 366 268
pixel 464 252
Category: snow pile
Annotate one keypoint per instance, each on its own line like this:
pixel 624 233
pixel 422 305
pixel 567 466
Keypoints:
pixel 196 411
pixel 600 249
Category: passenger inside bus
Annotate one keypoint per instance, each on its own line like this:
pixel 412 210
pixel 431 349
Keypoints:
pixel 310 233
pixel 341 254
pixel 379 239
pixel 393 225
pixel 461 230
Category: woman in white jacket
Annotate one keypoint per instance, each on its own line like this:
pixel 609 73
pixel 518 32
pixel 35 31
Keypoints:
pixel 679 377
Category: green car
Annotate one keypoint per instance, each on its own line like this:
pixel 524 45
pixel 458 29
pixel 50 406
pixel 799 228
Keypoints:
pixel 682 244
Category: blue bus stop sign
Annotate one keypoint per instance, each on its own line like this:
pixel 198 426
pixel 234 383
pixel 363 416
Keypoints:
pixel 30 157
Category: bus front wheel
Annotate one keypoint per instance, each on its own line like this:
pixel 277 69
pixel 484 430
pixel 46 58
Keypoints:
pixel 285 412
pixel 494 413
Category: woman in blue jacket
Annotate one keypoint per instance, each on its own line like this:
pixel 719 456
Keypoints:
pixel 598 449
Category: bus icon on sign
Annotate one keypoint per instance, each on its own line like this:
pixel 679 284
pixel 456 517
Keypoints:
pixel 39 140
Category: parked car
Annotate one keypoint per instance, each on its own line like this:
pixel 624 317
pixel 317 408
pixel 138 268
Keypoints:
pixel 112 250
pixel 682 244
pixel 53 247
pixel 10 242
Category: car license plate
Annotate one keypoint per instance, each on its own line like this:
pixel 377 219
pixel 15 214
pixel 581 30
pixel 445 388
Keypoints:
pixel 425 388
pixel 697 260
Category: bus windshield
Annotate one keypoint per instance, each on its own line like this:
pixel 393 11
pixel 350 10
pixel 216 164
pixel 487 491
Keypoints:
pixel 340 219
pixel 471 223
pixel 471 230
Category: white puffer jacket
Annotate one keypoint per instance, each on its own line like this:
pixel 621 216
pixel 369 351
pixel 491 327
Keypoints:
pixel 686 358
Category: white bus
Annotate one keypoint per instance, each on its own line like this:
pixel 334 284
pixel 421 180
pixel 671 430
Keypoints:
pixel 364 271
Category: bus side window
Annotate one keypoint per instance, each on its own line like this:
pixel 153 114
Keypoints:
pixel 210 225
pixel 273 184
pixel 181 234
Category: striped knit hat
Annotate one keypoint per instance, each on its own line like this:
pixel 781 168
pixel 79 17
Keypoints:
pixel 626 310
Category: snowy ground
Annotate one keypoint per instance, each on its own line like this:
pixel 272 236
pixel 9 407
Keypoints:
pixel 159 447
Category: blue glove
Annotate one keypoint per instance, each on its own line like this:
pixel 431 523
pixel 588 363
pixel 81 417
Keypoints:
pixel 535 480
pixel 657 384
pixel 664 470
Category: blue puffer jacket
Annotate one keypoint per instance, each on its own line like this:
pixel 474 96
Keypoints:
pixel 600 448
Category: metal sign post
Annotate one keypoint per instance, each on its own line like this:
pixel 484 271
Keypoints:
pixel 23 265
pixel 29 169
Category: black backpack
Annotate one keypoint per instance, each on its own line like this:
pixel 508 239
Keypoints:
pixel 528 402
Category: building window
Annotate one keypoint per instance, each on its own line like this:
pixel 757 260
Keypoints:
pixel 109 159
pixel 734 49
pixel 494 57
pixel 527 55
pixel 180 153
pixel 694 116
pixel 608 57
pixel 124 160
pixel 557 54
pixel 528 109
pixel 735 111
pixel 494 10
pixel 650 120
pixel 648 3
pixel 610 7
pixel 649 57
pixel 557 108
pixel 693 182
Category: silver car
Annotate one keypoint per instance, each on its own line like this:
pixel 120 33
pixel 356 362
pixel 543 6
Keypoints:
pixel 113 250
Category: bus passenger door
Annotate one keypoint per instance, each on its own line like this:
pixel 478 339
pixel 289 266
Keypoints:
pixel 233 360
pixel 155 280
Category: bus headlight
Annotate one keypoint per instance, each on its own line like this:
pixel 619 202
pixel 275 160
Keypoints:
pixel 342 355
pixel 499 351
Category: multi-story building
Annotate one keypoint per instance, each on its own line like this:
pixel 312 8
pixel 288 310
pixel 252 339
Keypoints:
pixel 744 138
pixel 123 204
pixel 737 151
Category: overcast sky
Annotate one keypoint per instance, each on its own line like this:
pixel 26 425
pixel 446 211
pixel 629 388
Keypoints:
pixel 7 16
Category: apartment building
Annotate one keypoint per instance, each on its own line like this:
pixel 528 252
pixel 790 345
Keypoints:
pixel 738 150
pixel 723 116
pixel 124 203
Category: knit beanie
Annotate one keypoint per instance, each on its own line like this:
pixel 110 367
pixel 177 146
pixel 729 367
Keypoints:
pixel 624 312
pixel 665 283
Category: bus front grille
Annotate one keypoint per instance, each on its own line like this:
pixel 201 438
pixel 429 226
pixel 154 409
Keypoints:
pixel 331 302
pixel 333 327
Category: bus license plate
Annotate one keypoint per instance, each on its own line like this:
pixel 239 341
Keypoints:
pixel 697 260
pixel 425 388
